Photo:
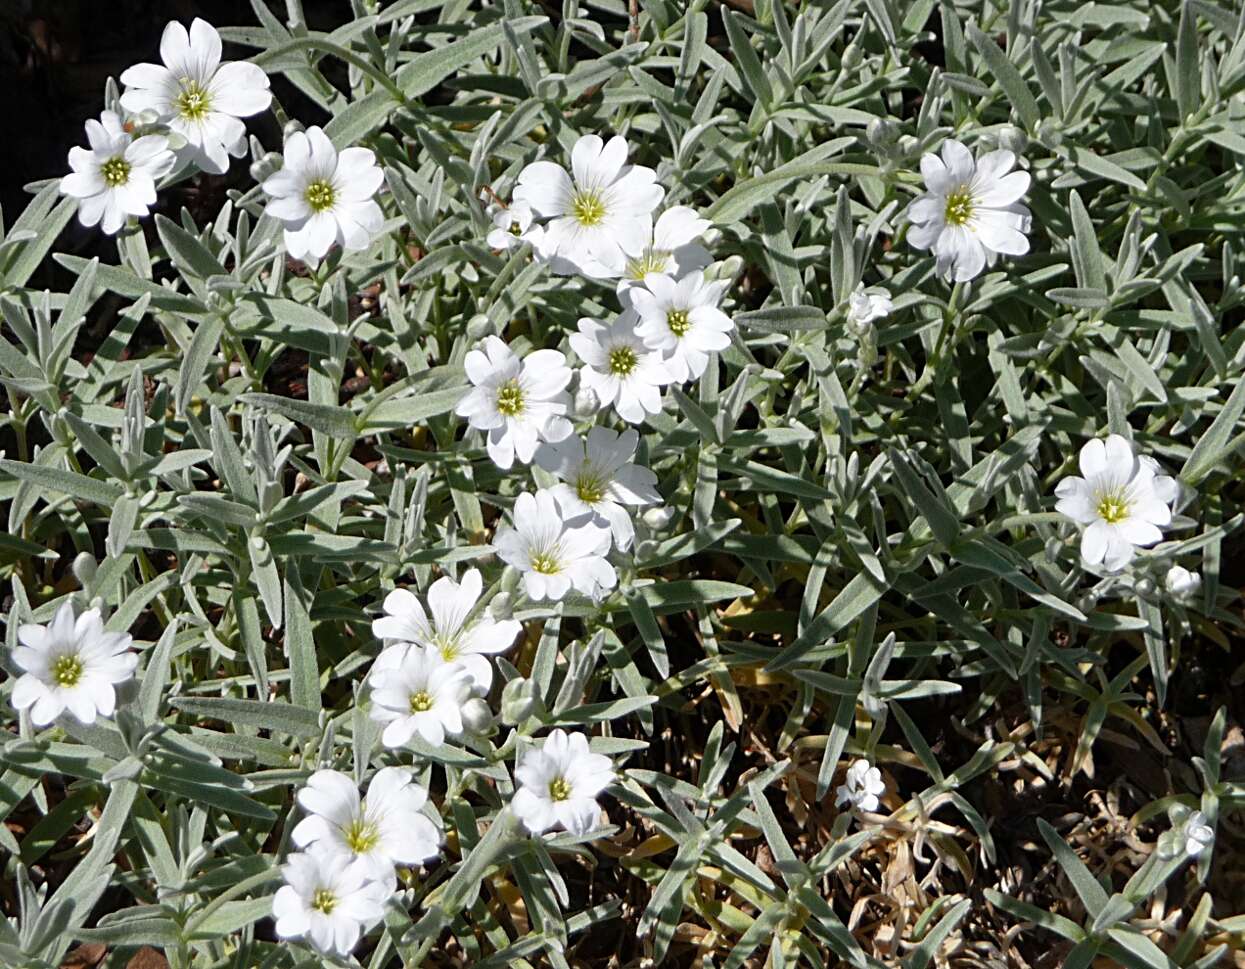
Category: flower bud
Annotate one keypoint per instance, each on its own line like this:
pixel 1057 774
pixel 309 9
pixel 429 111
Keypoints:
pixel 881 132
pixel 84 567
pixel 518 701
pixel 586 404
pixel 1013 139
pixel 659 517
pixel 477 716
pixel 478 327
pixel 267 165
pixel 501 606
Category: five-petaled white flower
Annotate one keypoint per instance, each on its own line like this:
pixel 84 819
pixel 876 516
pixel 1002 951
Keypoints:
pixel 971 211
pixel 601 214
pixel 329 899
pixel 598 480
pixel 555 556
pixel 520 402
pixel 1182 583
pixel 675 249
pixel 386 828
pixel 450 632
pixel 863 787
pixel 620 369
pixel 70 664
pixel 863 307
pixel 682 319
pixel 559 783
pixel 117 176
pixel 415 691
pixel 196 95
pixel 1119 500
pixel 512 226
pixel 1197 835
pixel 323 196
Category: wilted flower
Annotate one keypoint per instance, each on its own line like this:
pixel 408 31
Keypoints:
pixel 329 899
pixel 620 369
pixel 449 631
pixel 415 691
pixel 682 319
pixel 117 176
pixel 70 664
pixel 387 828
pixel 323 196
pixel 863 307
pixel 554 555
pixel 512 226
pixel 863 787
pixel 520 402
pixel 599 480
pixel 1119 501
pixel 559 784
pixel 971 211
pixel 1182 583
pixel 196 95
pixel 601 214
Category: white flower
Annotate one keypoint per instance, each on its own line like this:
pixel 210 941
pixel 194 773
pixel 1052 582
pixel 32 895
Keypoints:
pixel 682 320
pixel 601 216
pixel 621 370
pixel 415 691
pixel 971 211
pixel 387 828
pixel 1197 834
pixel 70 664
pixel 864 307
pixel 329 899
pixel 450 633
pixel 117 176
pixel 512 227
pixel 863 788
pixel 519 402
pixel 559 784
pixel 599 480
pixel 323 196
pixel 1119 500
pixel 1182 583
pixel 674 250
pixel 196 95
pixel 553 555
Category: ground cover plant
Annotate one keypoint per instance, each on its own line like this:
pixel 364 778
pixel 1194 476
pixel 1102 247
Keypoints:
pixel 632 482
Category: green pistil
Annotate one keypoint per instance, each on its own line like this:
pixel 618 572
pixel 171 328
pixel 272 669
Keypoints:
pixel 323 901
pixel 679 322
pixel 67 670
pixel 320 195
pixel 559 789
pixel 362 836
pixel 510 399
pixel 1112 509
pixel 959 207
pixel 653 261
pixel 421 702
pixel 116 171
pixel 545 563
pixel 588 208
pixel 193 103
pixel 622 361
pixel 589 489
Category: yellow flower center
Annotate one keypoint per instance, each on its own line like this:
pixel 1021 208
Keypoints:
pixel 362 836
pixel 559 789
pixel 653 261
pixel 589 488
pixel 1112 509
pixel 516 229
pixel 959 207
pixel 588 208
pixel 67 670
pixel 193 102
pixel 320 195
pixel 510 399
pixel 622 361
pixel 545 563
pixel 324 901
pixel 421 702
pixel 116 171
pixel 678 322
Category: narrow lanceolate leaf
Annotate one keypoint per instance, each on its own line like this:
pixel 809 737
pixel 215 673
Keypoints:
pixel 1014 86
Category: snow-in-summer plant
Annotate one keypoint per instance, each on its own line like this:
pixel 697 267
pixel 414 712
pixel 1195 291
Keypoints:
pixel 485 484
